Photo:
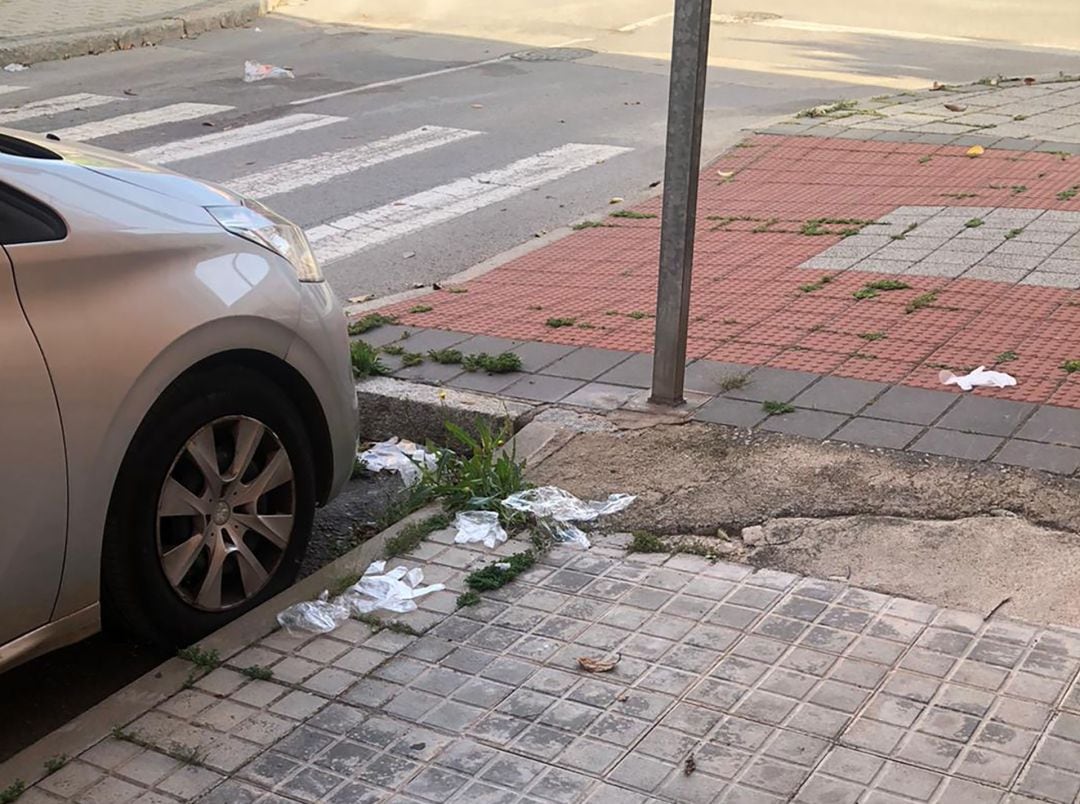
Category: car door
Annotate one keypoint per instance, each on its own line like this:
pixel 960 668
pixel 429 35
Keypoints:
pixel 33 474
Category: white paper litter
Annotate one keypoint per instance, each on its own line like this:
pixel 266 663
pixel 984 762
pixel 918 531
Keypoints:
pixel 397 455
pixel 394 591
pixel 253 71
pixel 980 378
pixel 479 526
pixel 555 509
pixel 15 67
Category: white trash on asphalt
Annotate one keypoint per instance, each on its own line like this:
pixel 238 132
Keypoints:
pixel 398 455
pixel 395 591
pixel 479 526
pixel 253 71
pixel 979 378
pixel 556 510
pixel 15 67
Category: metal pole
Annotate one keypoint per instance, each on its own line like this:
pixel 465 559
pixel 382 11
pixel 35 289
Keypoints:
pixel 686 105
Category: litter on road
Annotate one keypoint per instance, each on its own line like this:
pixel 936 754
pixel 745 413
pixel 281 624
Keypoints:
pixel 395 591
pixel 979 378
pixel 15 67
pixel 253 71
pixel 479 526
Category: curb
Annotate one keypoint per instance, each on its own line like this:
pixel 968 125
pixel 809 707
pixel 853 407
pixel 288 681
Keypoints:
pixel 191 21
pixel 532 444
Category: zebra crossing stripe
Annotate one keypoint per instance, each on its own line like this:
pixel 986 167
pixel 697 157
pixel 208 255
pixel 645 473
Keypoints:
pixel 234 138
pixel 328 165
pixel 51 106
pixel 173 113
pixel 353 233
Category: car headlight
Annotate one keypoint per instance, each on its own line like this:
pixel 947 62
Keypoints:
pixel 258 224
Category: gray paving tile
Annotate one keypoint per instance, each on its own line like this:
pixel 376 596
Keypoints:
pixel 635 372
pixel 482 381
pixel 586 363
pixel 878 433
pixel 810 423
pixel 734 412
pixel 388 333
pixel 541 388
pixel 712 377
pixel 1053 425
pixel 1035 455
pixel 839 394
pixel 487 343
pixel 779 385
pixel 979 414
pixel 601 396
pixel 954 444
pixel 535 355
pixel 423 340
pixel 910 405
pixel 429 371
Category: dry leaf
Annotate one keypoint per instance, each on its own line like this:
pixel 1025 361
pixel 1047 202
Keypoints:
pixel 975 150
pixel 689 766
pixel 725 174
pixel 477 105
pixel 361 299
pixel 408 255
pixel 936 87
pixel 594 665
pixel 130 92
pixel 956 107
pixel 616 200
pixel 1029 80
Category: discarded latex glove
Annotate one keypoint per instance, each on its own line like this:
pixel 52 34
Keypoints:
pixel 397 455
pixel 253 71
pixel 15 67
pixel 317 616
pixel 979 378
pixel 555 510
pixel 479 526
pixel 394 591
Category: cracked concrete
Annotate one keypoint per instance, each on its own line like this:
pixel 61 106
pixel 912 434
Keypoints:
pixel 893 522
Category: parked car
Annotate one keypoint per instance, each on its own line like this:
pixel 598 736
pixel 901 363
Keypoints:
pixel 175 399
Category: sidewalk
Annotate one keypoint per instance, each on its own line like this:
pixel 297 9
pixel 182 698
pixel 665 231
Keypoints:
pixel 733 685
pixel 795 227
pixel 33 31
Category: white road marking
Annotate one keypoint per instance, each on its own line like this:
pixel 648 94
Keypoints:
pixel 51 106
pixel 821 27
pixel 353 233
pixel 233 138
pixel 405 79
pixel 328 165
pixel 645 23
pixel 173 113
pixel 9 88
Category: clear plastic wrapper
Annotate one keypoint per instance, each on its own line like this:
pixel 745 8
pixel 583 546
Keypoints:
pixel 556 510
pixel 398 455
pixel 479 526
pixel 254 71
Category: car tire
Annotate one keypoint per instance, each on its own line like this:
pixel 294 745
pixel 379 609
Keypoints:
pixel 168 511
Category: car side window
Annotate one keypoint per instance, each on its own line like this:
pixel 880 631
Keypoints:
pixel 25 220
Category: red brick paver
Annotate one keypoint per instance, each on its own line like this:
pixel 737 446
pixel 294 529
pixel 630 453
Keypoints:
pixel 747 305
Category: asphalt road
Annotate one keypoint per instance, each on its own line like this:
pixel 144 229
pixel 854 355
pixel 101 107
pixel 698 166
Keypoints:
pixel 430 153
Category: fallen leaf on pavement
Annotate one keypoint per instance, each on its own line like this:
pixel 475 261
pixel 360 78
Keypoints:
pixel 130 92
pixel 594 665
pixel 408 255
pixel 361 299
pixel 616 200
pixel 975 150
pixel 418 285
pixel 655 183
pixel 208 123
pixel 1029 80
pixel 956 107
pixel 477 105
pixel 725 174
pixel 689 766
pixel 937 87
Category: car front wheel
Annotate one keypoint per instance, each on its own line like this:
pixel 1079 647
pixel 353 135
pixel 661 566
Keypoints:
pixel 213 508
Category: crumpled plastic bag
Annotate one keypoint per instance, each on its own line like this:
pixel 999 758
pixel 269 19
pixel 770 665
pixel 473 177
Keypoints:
pixel 317 616
pixel 555 510
pixel 980 377
pixel 253 71
pixel 397 455
pixel 394 591
pixel 479 526
pixel 15 67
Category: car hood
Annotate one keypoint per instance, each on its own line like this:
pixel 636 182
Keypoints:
pixel 123 168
